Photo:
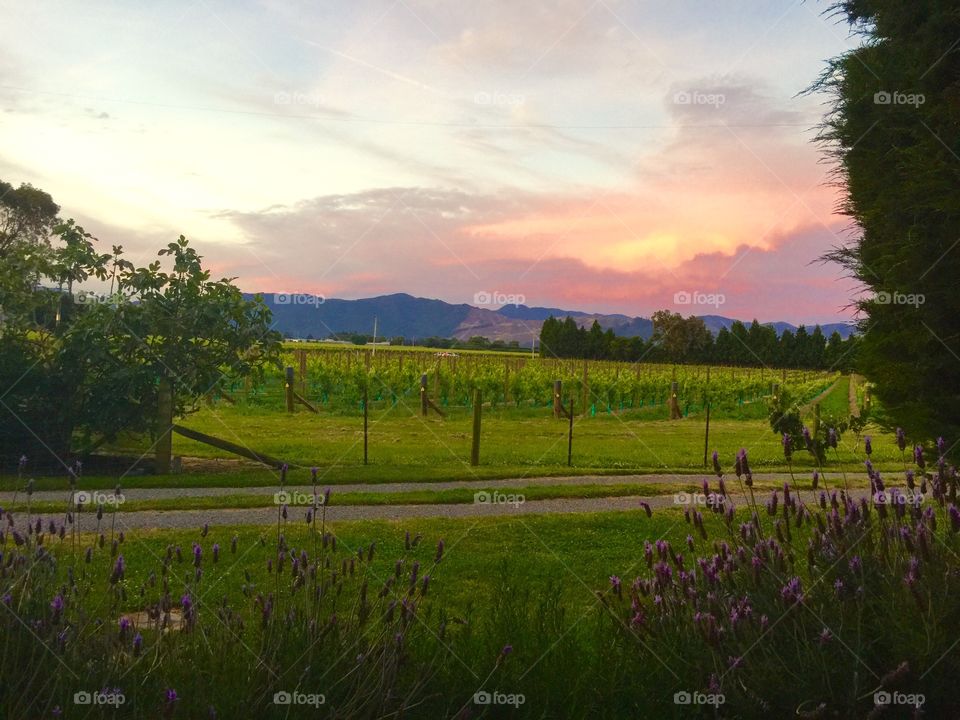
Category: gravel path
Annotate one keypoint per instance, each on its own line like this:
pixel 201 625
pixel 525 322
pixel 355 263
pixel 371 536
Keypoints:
pixel 185 519
pixel 187 492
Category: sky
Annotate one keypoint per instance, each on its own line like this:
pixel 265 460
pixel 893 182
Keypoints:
pixel 603 156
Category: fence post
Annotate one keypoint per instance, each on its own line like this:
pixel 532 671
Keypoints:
pixel 303 371
pixel 366 382
pixel 570 434
pixel 675 413
pixel 557 405
pixel 706 432
pixel 585 399
pixel 164 444
pixel 288 388
pixel 477 408
pixel 423 394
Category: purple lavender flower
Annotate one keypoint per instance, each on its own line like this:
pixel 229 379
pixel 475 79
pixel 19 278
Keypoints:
pixel 439 551
pixel 56 605
pixel 918 456
pixel 233 544
pixel 216 552
pixel 118 569
pixel 901 439
pixel 954 518
pixel 787 443
pixel 716 464
pixel 616 586
pixel 197 555
pixel 807 440
pixel 832 438
pixel 816 480
pixel 867 445
pixel 941 446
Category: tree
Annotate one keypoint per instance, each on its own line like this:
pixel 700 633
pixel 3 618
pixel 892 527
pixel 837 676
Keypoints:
pixel 681 339
pixel 894 134
pixel 76 374
pixel 27 217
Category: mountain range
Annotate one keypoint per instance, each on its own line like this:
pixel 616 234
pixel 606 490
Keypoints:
pixel 304 316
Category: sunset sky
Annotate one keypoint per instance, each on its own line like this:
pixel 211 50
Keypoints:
pixel 598 156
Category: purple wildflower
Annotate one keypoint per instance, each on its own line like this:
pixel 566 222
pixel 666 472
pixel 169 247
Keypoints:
pixel 867 445
pixel 901 439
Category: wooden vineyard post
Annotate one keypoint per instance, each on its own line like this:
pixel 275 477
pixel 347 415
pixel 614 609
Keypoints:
pixel 475 446
pixel 706 432
pixel 366 382
pixel 288 389
pixel 506 382
pixel 585 399
pixel 163 448
pixel 570 433
pixel 423 394
pixel 675 413
pixel 557 405
pixel 302 357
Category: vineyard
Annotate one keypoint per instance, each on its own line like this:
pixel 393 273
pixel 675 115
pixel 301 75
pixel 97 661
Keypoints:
pixel 335 380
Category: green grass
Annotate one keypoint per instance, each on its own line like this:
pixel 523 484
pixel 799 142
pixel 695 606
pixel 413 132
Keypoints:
pixel 518 445
pixel 580 550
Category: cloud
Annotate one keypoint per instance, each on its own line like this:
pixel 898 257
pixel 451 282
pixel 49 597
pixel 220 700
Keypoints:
pixel 426 242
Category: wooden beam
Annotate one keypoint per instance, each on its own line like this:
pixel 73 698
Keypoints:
pixel 228 446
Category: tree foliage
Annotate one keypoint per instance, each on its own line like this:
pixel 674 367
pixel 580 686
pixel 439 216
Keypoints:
pixel 893 131
pixel 78 367
pixel 687 340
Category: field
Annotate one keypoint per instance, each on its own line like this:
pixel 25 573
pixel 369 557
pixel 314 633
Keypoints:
pixel 302 600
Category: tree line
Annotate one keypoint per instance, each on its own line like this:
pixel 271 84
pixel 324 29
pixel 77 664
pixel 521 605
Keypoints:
pixel 688 340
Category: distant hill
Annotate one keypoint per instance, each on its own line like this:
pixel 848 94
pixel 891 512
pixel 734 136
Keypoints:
pixel 413 317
